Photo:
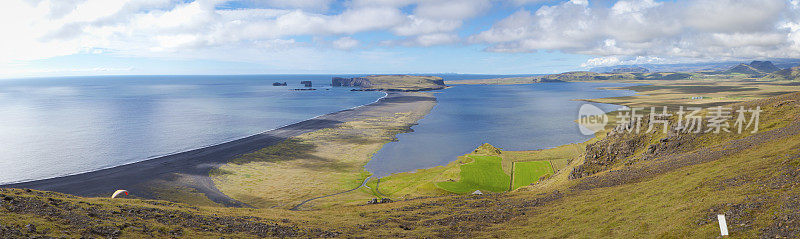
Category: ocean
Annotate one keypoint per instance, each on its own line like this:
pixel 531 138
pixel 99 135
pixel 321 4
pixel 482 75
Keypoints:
pixel 51 127
pixel 59 126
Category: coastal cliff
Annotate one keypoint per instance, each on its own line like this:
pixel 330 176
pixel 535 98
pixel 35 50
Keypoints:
pixel 391 82
pixel 351 82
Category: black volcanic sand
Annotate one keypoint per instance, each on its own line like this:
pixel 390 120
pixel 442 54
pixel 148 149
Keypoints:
pixel 191 169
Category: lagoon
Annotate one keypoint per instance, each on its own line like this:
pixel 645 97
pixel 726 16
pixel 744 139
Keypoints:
pixel 512 117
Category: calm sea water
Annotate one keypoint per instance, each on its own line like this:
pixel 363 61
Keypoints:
pixel 519 117
pixel 60 126
pixel 53 127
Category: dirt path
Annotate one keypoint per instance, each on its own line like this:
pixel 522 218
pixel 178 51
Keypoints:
pixel 363 184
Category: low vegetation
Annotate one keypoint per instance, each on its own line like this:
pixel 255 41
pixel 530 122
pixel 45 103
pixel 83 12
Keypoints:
pixel 319 163
pixel 527 173
pixel 483 173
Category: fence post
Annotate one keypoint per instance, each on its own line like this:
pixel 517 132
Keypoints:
pixel 511 184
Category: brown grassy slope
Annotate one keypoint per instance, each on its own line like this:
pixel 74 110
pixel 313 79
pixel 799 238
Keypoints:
pixel 713 92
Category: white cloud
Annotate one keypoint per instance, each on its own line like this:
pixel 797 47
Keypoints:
pixel 625 31
pixel 669 31
pixel 48 28
pixel 733 15
pixel 416 26
pixel 450 9
pixel 432 39
pixel 621 60
pixel 345 43
pixel 316 5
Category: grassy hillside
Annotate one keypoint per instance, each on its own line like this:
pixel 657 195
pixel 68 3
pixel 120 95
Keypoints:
pixel 790 74
pixel 405 82
pixel 526 173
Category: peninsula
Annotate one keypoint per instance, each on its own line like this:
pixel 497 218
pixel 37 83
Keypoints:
pixel 392 82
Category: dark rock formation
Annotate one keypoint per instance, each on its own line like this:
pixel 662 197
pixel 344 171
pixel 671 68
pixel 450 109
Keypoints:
pixel 352 82
pixel 379 201
pixel 487 148
pixel 606 153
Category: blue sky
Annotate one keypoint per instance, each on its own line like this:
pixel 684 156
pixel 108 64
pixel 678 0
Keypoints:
pixel 100 37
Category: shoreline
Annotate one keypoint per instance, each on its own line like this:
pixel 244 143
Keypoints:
pixel 2 184
pixel 192 167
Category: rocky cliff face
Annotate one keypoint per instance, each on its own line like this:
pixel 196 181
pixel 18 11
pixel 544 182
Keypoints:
pixel 608 152
pixel 621 147
pixel 351 82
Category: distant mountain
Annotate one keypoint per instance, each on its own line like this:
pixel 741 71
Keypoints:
pixel 696 67
pixel 636 69
pixel 785 74
pixel 764 66
pixel 744 69
pixel 754 68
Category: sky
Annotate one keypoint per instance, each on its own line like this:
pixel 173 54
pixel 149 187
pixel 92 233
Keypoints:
pixel 144 37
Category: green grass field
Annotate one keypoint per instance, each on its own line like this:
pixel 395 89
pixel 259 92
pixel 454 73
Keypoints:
pixel 526 173
pixel 485 174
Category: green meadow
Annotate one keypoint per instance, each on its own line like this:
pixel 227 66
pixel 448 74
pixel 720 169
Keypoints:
pixel 484 173
pixel 526 173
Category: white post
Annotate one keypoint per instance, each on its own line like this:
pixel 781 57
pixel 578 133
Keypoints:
pixel 723 226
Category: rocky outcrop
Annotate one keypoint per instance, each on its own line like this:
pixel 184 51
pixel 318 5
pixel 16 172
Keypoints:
pixel 606 153
pixel 379 201
pixel 487 148
pixel 351 82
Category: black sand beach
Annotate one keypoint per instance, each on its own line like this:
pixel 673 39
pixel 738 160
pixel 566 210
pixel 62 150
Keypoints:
pixel 191 168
